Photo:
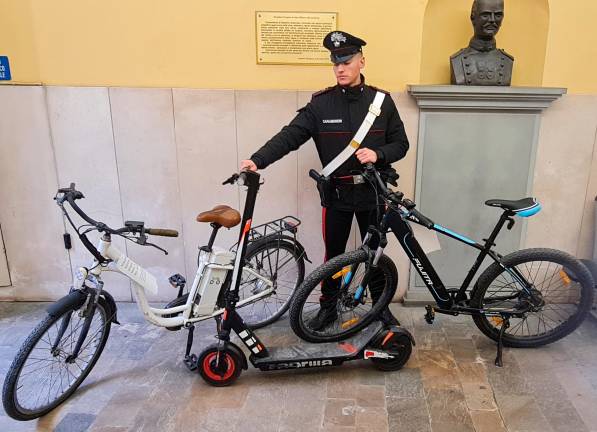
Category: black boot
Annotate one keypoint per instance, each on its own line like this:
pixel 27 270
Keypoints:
pixel 388 318
pixel 326 315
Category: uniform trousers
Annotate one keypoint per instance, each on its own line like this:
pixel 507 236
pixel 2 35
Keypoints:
pixel 336 225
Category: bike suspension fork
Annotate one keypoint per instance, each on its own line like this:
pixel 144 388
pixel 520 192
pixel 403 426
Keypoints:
pixel 383 242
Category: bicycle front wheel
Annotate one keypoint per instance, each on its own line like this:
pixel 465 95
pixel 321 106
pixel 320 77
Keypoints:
pixel 282 263
pixel 357 296
pixel 560 297
pixel 42 375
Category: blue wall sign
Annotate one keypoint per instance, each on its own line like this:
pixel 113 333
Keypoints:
pixel 4 69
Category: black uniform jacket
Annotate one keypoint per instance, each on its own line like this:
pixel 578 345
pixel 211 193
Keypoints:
pixel 332 118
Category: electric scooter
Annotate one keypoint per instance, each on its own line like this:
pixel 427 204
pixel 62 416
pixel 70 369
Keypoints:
pixel 388 345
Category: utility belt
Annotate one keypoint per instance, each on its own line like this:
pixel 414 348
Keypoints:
pixel 348 180
pixel 327 186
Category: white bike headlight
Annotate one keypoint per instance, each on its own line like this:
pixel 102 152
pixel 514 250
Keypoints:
pixel 82 273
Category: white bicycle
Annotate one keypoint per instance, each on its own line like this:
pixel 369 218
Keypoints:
pixel 265 266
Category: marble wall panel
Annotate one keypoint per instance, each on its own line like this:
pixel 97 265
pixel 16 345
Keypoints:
pixel 81 127
pixel 147 159
pixel 205 128
pixel 31 222
pixel 4 274
pixel 586 240
pixel 409 113
pixel 562 172
pixel 259 116
pixel 173 149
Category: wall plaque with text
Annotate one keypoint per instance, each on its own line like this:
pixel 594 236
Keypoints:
pixel 293 37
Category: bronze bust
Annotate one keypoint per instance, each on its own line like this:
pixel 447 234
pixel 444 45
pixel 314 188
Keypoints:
pixel 481 63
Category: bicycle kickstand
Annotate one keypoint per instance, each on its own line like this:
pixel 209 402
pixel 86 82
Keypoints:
pixel 190 360
pixel 500 345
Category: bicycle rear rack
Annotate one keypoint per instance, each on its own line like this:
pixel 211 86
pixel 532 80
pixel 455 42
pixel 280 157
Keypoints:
pixel 287 224
pixel 276 227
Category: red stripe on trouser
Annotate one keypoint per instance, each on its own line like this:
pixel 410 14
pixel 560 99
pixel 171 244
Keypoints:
pixel 325 257
pixel 323 214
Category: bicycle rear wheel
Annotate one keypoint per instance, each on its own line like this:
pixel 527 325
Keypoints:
pixel 279 261
pixel 357 304
pixel 40 378
pixel 561 297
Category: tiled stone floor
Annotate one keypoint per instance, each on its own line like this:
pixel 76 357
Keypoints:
pixel 449 384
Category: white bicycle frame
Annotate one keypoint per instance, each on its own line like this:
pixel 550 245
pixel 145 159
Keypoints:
pixel 211 273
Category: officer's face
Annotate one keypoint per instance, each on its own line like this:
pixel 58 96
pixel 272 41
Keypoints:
pixel 488 17
pixel 349 72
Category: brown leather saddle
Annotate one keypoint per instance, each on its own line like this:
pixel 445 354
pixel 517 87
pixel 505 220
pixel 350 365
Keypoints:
pixel 222 215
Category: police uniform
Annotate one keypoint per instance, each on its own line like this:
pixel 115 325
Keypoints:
pixel 332 118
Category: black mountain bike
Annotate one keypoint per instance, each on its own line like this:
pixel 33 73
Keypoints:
pixel 528 298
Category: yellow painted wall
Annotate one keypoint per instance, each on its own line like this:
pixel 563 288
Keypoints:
pixel 194 43
pixel 572 46
pixel 18 42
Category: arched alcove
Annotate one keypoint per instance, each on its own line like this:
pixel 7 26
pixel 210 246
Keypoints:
pixel 447 28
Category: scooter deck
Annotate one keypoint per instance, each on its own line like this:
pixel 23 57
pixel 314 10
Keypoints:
pixel 314 355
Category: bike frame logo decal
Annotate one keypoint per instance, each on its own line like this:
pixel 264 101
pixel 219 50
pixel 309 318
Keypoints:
pixel 424 274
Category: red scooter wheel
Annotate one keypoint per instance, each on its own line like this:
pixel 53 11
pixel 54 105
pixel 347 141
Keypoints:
pixel 398 345
pixel 219 367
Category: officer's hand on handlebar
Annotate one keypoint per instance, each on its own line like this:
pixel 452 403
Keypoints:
pixel 248 164
pixel 365 155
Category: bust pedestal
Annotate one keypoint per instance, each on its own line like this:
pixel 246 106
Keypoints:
pixel 475 143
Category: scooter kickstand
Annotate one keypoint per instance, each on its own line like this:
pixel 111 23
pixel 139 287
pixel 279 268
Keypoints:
pixel 190 360
pixel 500 344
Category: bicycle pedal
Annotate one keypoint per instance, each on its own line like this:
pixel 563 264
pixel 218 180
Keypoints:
pixel 429 314
pixel 177 280
pixel 191 362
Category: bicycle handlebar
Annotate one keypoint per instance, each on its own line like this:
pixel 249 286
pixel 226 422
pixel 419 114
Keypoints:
pixel 70 194
pixel 396 197
pixel 244 178
pixel 162 232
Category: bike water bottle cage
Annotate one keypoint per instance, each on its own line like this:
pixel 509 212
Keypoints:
pixel 524 207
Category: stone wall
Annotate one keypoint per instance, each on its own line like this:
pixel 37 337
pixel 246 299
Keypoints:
pixel 159 155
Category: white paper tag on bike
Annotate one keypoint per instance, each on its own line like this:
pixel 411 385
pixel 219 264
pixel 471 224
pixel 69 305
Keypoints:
pixel 133 270
pixel 427 238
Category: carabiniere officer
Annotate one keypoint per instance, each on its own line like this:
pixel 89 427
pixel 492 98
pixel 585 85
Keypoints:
pixel 332 118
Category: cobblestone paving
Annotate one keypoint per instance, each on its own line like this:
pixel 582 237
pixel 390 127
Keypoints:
pixel 449 384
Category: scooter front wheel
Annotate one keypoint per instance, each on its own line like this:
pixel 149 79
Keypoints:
pixel 219 366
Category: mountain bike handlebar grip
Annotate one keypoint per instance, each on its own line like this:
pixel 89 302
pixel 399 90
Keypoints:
pixel 162 232
pixel 314 175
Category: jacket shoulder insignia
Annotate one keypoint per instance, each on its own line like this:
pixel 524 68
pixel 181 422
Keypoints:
pixel 320 92
pixel 379 90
